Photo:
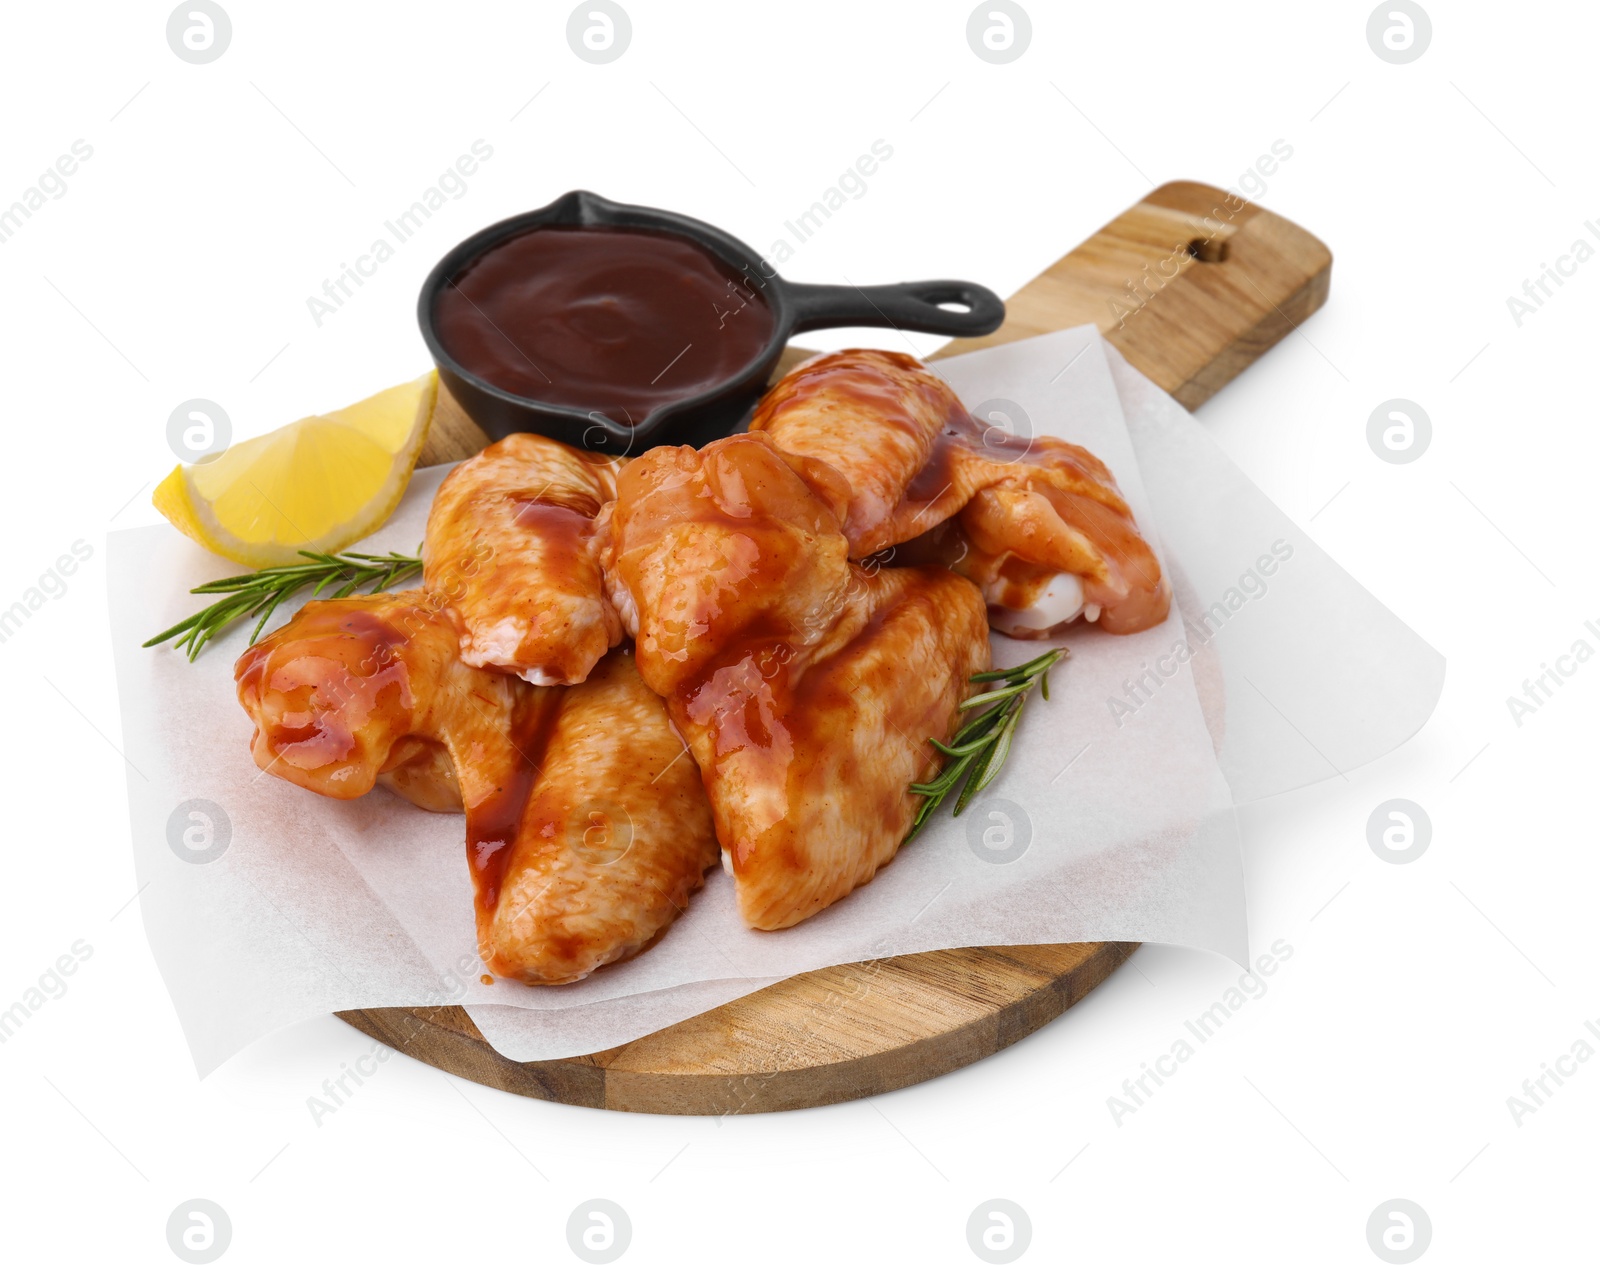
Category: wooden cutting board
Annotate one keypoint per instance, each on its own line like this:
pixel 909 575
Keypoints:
pixel 1192 285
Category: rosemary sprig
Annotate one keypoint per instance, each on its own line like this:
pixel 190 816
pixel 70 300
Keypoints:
pixel 260 592
pixel 981 746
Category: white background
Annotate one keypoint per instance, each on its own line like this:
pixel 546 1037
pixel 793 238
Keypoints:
pixel 1418 998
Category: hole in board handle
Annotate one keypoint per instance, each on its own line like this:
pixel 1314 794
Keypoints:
pixel 1212 250
pixel 955 305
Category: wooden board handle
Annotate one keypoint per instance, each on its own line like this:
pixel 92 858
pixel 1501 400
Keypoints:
pixel 1192 284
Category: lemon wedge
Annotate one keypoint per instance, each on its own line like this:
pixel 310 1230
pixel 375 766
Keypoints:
pixel 321 483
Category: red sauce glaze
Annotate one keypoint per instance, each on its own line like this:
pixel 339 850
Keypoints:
pixel 618 321
pixel 874 417
pixel 743 697
pixel 725 545
pixel 564 535
pixel 338 703
pixel 494 820
pixel 963 436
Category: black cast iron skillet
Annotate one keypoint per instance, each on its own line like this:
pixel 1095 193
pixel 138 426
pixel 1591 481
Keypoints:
pixel 718 411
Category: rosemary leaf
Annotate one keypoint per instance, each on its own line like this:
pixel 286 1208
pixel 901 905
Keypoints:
pixel 994 696
pixel 1033 667
pixel 980 768
pixel 980 747
pixel 1002 749
pixel 981 725
pixel 260 593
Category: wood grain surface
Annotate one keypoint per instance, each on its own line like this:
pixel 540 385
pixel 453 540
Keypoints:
pixel 1192 285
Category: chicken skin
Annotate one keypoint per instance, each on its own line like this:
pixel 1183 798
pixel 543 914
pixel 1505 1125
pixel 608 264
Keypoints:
pixel 585 831
pixel 510 546
pixel 874 418
pixel 358 689
pixel 808 766
pixel 1042 528
pixel 614 838
pixel 807 687
pixel 718 547
pixel 1046 549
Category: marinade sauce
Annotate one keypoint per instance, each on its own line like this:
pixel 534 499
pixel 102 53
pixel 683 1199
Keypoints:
pixel 617 321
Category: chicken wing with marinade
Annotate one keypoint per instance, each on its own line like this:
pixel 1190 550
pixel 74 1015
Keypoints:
pixel 1046 550
pixel 807 687
pixel 808 766
pixel 871 417
pixel 614 837
pixel 359 690
pixel 725 546
pixel 585 831
pixel 510 545
pixel 1042 528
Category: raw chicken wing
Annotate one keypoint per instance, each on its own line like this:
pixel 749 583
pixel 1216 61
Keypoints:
pixel 586 831
pixel 360 689
pixel 614 838
pixel 872 417
pixel 510 546
pixel 808 687
pixel 1042 528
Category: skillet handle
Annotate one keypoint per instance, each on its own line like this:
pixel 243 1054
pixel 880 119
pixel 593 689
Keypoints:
pixel 908 305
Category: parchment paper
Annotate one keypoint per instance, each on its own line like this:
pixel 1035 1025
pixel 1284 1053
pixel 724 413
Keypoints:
pixel 1112 821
